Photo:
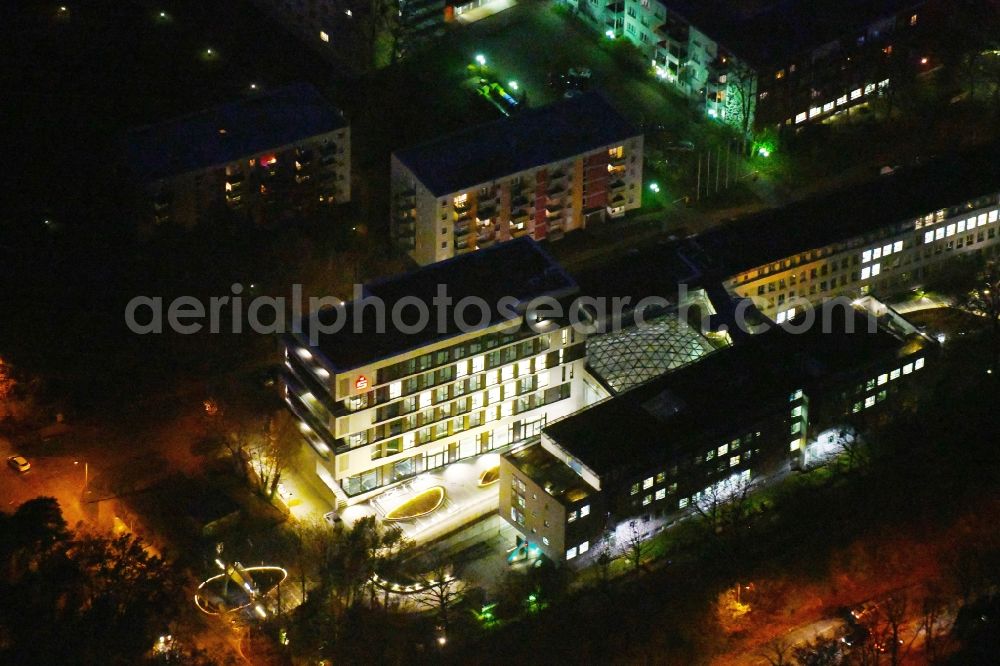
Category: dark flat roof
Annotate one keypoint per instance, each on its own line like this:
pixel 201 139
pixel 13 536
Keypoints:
pixel 271 119
pixel 872 207
pixel 724 391
pixel 530 138
pixel 551 473
pixel 773 32
pixel 519 269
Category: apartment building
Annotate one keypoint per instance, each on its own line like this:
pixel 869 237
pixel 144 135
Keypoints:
pixel 337 30
pixel 256 159
pixel 883 238
pixel 766 63
pixel 744 414
pixel 380 403
pixel 541 173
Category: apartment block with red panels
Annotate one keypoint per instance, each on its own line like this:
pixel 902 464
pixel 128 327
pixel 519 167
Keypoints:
pixel 542 173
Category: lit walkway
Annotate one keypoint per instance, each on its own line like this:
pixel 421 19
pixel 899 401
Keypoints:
pixel 484 11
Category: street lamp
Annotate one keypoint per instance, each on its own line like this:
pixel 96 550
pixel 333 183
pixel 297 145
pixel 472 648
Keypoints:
pixel 654 187
pixel 513 85
pixel 610 34
pixel 481 59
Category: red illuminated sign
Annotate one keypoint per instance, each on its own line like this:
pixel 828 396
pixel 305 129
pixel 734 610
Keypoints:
pixel 268 160
pixel 361 383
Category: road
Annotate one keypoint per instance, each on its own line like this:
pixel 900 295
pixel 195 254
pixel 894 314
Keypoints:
pixel 53 473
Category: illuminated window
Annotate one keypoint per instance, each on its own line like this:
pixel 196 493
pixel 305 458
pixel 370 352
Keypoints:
pixel 793 445
pixel 460 199
pixel 908 368
pixel 928 237
pixel 634 490
pixel 584 547
pixel 734 461
pixel 869 401
pixel 801 117
pixel 887 250
pixel 866 256
pixel 961 226
pixel 571 517
pixel 571 553
pixel 724 449
pixel 545 540
pixel 647 483
pixel 780 74
pixel 661 493
pixel 325 37
pixel 919 363
pixel 939 233
pixel 616 153
pixel 584 510
pixel 993 216
pixel 866 273
pixel 950 230
pixel 913 19
pixel 894 374
pixel 647 499
pixel 856 93
pixel 876 269
pixel 842 100
pixel 897 246
pixel 882 379
pixel 682 503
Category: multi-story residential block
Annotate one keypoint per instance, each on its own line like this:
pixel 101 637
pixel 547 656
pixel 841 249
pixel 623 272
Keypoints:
pixel 768 63
pixel 741 415
pixel 541 173
pixel 258 158
pixel 382 400
pixel 341 30
pixel 883 238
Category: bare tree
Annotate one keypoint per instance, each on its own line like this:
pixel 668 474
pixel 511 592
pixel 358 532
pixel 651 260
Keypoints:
pixel 273 451
pixel 632 546
pixel 778 652
pixel 441 590
pixel 894 608
pixel 935 628
pixel 853 449
pixel 726 503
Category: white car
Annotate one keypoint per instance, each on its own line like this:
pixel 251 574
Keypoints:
pixel 19 464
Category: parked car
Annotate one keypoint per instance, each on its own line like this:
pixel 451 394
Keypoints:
pixel 19 464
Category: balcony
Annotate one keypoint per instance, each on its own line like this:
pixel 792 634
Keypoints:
pixel 517 233
pixel 463 228
pixel 520 215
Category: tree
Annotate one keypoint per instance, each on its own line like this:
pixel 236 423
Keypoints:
pixel 821 652
pixel 725 505
pixel 894 608
pixel 100 599
pixel 974 284
pixel 741 96
pixel 632 546
pixel 273 451
pixel 379 29
pixel 778 652
pixel 936 630
pixel 441 590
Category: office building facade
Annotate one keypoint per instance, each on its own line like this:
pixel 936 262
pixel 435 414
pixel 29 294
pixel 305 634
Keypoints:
pixel 741 416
